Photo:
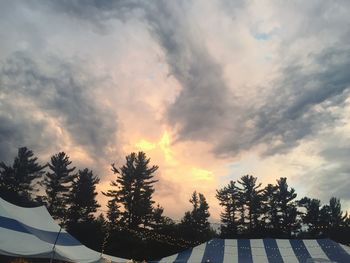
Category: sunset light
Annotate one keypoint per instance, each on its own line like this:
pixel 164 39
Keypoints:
pixel 147 115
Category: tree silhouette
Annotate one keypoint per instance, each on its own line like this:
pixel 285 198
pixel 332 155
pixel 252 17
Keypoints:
pixel 58 182
pixel 250 200
pixel 113 213
pixel 158 219
pixel 195 224
pixel 311 216
pixel 228 197
pixel 287 208
pixel 335 213
pixel 82 198
pixel 270 207
pixel 249 211
pixel 333 222
pixel 17 182
pixel 134 189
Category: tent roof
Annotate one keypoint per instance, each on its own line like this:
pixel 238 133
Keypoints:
pixel 32 232
pixel 263 251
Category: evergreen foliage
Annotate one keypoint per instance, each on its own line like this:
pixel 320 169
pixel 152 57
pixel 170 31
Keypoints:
pixel 18 181
pixel 286 207
pixel 82 199
pixel 270 206
pixel 250 210
pixel 311 216
pixel 195 224
pixel 333 214
pixel 250 200
pixel 58 183
pixel 113 213
pixel 229 200
pixel 135 227
pixel 158 220
pixel 135 188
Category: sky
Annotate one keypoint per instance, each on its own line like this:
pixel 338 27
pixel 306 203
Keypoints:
pixel 210 90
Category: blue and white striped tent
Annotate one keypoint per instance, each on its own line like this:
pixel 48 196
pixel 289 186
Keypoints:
pixel 31 232
pixel 263 251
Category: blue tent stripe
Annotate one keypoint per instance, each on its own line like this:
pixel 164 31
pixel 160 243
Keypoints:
pixel 64 239
pixel 214 251
pixel 272 251
pixel 333 250
pixel 244 251
pixel 12 224
pixel 183 256
pixel 300 250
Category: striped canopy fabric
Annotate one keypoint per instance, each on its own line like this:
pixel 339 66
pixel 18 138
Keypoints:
pixel 32 232
pixel 263 251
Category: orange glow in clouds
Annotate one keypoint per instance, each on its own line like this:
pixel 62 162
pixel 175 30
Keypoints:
pixel 180 172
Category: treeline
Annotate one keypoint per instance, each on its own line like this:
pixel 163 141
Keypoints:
pixel 133 226
pixel 252 211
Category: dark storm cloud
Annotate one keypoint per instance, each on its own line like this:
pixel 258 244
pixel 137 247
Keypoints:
pixel 333 154
pixel 204 100
pixel 59 89
pixel 332 178
pixel 96 11
pixel 298 107
pixel 18 128
pixel 326 86
pixel 206 108
pixel 335 175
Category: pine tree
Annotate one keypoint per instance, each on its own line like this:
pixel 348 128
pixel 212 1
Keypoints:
pixel 291 220
pixel 113 213
pixel 324 217
pixel 82 198
pixel 134 189
pixel 202 215
pixel 287 211
pixel 312 214
pixel 250 202
pixel 158 219
pixel 270 207
pixel 17 182
pixel 336 215
pixel 58 183
pixel 228 198
pixel 195 224
pixel 100 219
pixel 331 216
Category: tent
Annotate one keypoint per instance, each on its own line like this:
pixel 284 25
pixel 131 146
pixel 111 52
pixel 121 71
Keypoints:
pixel 32 232
pixel 263 251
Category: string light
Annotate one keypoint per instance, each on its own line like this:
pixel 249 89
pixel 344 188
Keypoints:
pixel 175 241
pixel 147 234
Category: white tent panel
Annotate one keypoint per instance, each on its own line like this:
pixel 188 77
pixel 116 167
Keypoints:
pixel 197 253
pixel 36 217
pixel 314 249
pixel 14 244
pixel 258 251
pixel 172 258
pixel 263 251
pixel 346 248
pixel 231 251
pixel 32 232
pixel 286 251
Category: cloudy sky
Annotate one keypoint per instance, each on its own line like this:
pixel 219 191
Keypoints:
pixel 210 90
